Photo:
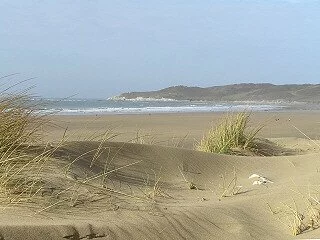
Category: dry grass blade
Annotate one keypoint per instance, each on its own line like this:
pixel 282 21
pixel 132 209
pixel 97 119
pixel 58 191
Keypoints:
pixel 152 189
pixel 232 188
pixel 191 185
pixel 314 142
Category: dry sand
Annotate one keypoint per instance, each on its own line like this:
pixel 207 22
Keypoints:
pixel 151 197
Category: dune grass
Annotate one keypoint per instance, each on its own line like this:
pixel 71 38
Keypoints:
pixel 27 167
pixel 19 123
pixel 230 136
pixel 299 220
pixel 20 126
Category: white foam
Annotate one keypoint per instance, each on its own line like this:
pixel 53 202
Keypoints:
pixel 182 109
pixel 143 99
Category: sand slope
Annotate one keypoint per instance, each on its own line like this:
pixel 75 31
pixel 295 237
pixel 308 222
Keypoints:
pixel 176 212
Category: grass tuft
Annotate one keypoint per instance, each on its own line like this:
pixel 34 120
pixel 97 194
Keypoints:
pixel 230 136
pixel 19 122
pixel 20 126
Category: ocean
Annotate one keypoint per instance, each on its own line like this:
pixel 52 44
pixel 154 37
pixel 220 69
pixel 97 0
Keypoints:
pixel 142 106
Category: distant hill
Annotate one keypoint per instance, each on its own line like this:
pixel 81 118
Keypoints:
pixel 236 92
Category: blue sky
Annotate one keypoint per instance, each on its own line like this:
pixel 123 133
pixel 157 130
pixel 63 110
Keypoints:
pixel 100 48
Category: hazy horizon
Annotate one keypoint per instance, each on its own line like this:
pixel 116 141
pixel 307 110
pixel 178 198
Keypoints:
pixel 98 49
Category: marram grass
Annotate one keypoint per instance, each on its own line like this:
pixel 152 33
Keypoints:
pixel 230 135
pixel 26 167
pixel 20 126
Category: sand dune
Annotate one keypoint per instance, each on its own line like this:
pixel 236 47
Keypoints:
pixel 193 214
pixel 147 194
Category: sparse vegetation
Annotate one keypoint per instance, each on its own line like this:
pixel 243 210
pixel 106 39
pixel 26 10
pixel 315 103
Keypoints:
pixel 299 220
pixel 307 217
pixel 227 186
pixel 230 136
pixel 143 138
pixel 190 184
pixel 20 126
pixel 155 139
pixel 152 188
pixel 232 188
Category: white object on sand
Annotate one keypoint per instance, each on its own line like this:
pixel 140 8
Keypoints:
pixel 254 175
pixel 257 182
pixel 262 180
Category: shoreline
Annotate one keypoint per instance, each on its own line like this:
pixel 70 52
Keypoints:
pixel 106 113
pixel 145 108
pixel 287 109
pixel 110 107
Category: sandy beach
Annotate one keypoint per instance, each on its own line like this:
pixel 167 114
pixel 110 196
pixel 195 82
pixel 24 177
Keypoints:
pixel 157 186
pixel 160 120
pixel 186 127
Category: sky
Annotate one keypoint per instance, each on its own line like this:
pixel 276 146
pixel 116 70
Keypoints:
pixel 101 48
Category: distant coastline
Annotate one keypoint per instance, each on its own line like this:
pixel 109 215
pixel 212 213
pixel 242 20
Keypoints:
pixel 245 92
pixel 182 99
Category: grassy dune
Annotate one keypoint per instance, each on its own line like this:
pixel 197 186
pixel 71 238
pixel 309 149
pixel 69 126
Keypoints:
pixel 115 186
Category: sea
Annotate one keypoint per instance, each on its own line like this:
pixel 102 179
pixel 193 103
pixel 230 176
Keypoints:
pixel 73 106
